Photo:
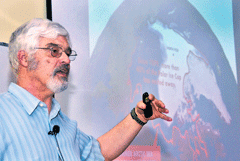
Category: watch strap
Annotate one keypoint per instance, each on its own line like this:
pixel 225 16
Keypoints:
pixel 135 117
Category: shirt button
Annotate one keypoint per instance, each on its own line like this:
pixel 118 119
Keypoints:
pixel 41 105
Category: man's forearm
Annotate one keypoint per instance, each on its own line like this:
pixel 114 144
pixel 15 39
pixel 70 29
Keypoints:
pixel 114 142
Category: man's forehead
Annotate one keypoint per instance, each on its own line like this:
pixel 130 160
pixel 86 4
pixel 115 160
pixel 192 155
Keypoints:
pixel 60 41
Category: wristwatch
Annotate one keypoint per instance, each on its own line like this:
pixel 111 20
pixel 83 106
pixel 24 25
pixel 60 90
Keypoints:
pixel 135 117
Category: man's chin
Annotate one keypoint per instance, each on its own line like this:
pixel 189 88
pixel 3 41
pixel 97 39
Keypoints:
pixel 61 89
pixel 57 86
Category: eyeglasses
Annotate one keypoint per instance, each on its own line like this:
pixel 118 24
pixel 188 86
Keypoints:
pixel 56 51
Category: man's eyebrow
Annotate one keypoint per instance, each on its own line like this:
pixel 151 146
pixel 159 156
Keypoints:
pixel 52 44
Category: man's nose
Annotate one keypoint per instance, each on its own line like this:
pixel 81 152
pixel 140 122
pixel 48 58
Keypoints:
pixel 64 58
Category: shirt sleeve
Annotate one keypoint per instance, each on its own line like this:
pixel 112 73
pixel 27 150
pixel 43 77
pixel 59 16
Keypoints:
pixel 89 147
pixel 3 142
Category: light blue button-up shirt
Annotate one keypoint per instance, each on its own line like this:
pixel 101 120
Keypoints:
pixel 24 127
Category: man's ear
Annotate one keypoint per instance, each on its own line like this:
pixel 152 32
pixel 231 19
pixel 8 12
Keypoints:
pixel 22 58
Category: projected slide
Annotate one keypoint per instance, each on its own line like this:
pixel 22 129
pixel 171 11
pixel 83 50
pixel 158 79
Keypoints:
pixel 182 52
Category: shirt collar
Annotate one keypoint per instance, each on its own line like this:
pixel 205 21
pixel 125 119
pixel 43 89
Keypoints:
pixel 30 102
pixel 55 109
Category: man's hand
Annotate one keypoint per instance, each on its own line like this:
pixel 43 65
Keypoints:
pixel 158 109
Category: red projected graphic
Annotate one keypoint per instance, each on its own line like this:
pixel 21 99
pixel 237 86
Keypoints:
pixel 190 144
pixel 143 153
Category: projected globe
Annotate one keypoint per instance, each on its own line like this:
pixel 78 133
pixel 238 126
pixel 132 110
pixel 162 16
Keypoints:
pixel 151 46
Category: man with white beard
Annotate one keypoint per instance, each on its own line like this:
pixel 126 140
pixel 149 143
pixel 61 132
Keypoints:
pixel 40 54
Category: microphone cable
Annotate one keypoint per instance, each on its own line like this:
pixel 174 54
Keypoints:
pixel 54 132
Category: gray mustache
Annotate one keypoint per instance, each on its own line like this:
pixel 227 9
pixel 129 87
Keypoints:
pixel 65 68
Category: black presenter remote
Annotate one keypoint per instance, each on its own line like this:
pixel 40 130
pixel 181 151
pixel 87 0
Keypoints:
pixel 148 111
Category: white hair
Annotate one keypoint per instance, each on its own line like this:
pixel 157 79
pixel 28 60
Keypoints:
pixel 26 38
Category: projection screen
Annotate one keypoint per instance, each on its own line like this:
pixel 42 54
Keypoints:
pixel 182 51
